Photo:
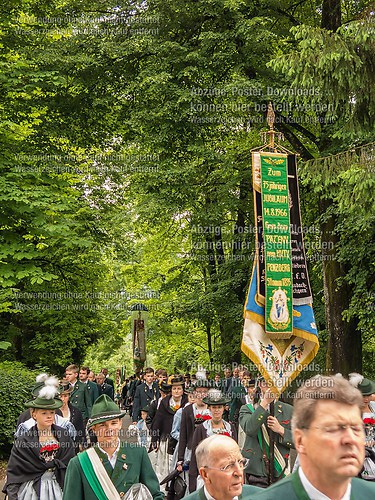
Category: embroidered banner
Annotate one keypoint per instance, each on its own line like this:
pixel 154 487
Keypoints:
pixel 279 359
pixel 301 286
pixel 277 244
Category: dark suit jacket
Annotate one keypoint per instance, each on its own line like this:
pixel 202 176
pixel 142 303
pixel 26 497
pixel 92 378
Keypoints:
pixel 80 398
pixel 133 386
pixel 110 382
pixel 93 389
pixel 153 406
pixel 186 431
pixel 246 493
pixel 238 400
pixel 143 397
pixel 77 420
pixel 124 391
pixel 106 389
pixel 226 385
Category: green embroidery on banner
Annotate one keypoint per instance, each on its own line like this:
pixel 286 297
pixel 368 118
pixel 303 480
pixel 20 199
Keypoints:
pixel 277 244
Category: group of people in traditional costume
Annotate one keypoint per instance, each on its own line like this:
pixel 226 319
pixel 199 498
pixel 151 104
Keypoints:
pixel 212 436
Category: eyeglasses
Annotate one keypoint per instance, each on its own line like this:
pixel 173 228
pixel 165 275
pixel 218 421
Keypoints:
pixel 230 468
pixel 338 429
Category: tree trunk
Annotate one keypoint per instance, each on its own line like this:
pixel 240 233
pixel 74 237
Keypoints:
pixel 344 350
pixel 331 14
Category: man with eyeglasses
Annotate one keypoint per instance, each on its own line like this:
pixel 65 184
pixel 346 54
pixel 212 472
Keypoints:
pixel 221 467
pixel 329 437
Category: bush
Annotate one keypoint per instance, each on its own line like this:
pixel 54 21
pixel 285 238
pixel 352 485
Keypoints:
pixel 16 382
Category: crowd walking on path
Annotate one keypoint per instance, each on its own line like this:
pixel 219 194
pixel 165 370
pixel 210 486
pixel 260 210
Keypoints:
pixel 218 438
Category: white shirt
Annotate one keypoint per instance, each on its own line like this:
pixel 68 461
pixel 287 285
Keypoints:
pixel 248 399
pixel 210 497
pixel 315 494
pixel 66 418
pixel 113 459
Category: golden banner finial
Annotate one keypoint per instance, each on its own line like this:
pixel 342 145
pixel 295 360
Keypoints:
pixel 271 121
pixel 270 116
pixel 269 136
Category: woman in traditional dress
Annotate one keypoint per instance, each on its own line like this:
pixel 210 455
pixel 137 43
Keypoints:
pixel 215 402
pixel 162 425
pixel 38 461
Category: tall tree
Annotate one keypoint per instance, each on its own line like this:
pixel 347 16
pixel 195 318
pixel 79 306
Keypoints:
pixel 345 114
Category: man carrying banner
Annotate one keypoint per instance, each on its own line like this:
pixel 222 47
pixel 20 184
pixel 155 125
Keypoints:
pixel 329 437
pixel 280 334
pixel 110 468
pixel 256 422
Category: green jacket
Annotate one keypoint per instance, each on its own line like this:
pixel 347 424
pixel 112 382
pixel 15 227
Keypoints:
pixel 81 399
pixel 93 389
pixel 251 422
pixel 138 470
pixel 291 488
pixel 246 493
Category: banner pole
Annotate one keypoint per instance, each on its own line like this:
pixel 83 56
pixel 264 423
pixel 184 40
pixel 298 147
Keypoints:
pixel 271 478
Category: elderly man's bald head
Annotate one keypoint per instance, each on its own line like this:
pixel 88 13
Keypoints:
pixel 220 465
pixel 208 448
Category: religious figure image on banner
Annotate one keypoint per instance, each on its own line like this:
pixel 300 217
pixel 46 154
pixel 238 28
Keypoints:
pixel 279 315
pixel 280 334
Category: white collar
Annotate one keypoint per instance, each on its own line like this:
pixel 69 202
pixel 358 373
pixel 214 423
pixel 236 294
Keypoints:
pixel 210 497
pixel 113 459
pixel 315 494
pixel 203 411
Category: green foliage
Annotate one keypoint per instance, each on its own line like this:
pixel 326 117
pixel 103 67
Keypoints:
pixel 15 387
pixel 125 167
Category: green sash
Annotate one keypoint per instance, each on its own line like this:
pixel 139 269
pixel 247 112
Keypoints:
pixel 279 468
pixel 91 477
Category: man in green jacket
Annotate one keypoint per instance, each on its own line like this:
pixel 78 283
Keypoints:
pixel 92 387
pixel 114 466
pixel 221 466
pixel 256 422
pixel 329 437
pixel 80 397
